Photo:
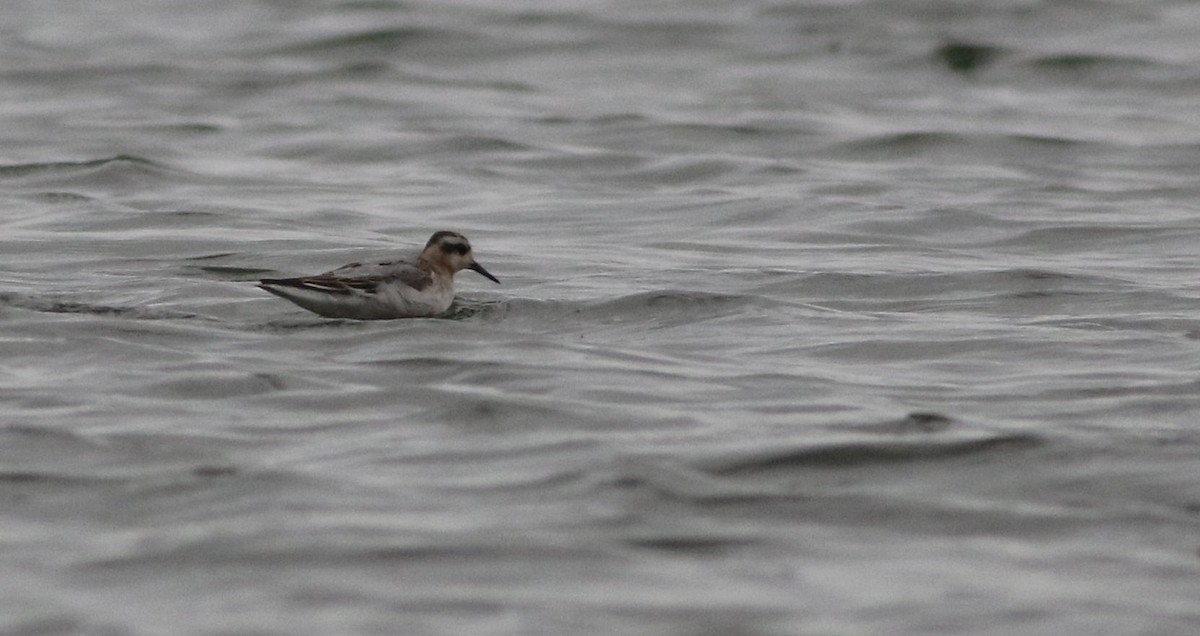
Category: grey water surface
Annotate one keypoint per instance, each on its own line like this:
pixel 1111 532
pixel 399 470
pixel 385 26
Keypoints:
pixel 817 317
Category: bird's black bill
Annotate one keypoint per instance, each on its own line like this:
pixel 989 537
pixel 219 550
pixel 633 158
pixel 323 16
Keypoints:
pixel 479 268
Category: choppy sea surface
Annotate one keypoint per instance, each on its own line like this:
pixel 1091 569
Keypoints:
pixel 822 318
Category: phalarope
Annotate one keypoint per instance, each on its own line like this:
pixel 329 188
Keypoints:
pixel 416 286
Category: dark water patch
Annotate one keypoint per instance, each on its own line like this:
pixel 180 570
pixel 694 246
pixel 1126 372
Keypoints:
pixel 45 478
pixel 916 423
pixel 853 455
pixel 629 170
pixel 56 623
pixel 25 169
pixel 589 167
pixel 57 459
pixel 925 289
pixel 305 321
pixel 202 216
pixel 966 57
pixel 932 228
pixel 121 173
pixel 655 310
pixel 410 43
pixel 619 119
pixel 376 40
pixel 66 306
pixel 661 478
pixel 1039 274
pixel 1088 64
pixel 953 145
pixel 213 385
pixel 194 128
pixel 422 364
pixel 31 432
pixel 209 257
pixel 174 128
pixel 1085 237
pixel 474 144
pixel 679 301
pixel 380 70
pixel 1118 386
pixel 372 5
pixel 738 145
pixel 62 197
pixel 89 74
pixel 500 412
pixel 678 171
pixel 651 32
pixel 720 132
pixel 622 120
pixel 283 549
pixel 1166 323
pixel 538 485
pixel 226 272
pixel 483 154
pixel 681 543
pixel 215 471
pixel 363 69
pixel 1149 71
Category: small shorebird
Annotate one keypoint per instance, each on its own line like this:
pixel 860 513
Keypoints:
pixel 417 286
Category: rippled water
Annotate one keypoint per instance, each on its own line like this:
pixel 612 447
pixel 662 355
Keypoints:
pixel 817 318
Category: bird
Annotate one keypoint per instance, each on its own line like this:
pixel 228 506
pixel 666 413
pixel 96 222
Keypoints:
pixel 417 286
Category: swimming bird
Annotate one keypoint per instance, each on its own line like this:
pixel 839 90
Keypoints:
pixel 419 285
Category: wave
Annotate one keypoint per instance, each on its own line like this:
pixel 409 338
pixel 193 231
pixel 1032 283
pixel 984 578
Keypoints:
pixel 867 452
pixel 889 145
pixel 653 309
pixel 1090 63
pixel 128 162
pixel 59 305
pixel 377 40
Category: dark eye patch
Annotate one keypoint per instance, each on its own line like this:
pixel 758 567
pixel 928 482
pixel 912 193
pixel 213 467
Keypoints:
pixel 455 247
